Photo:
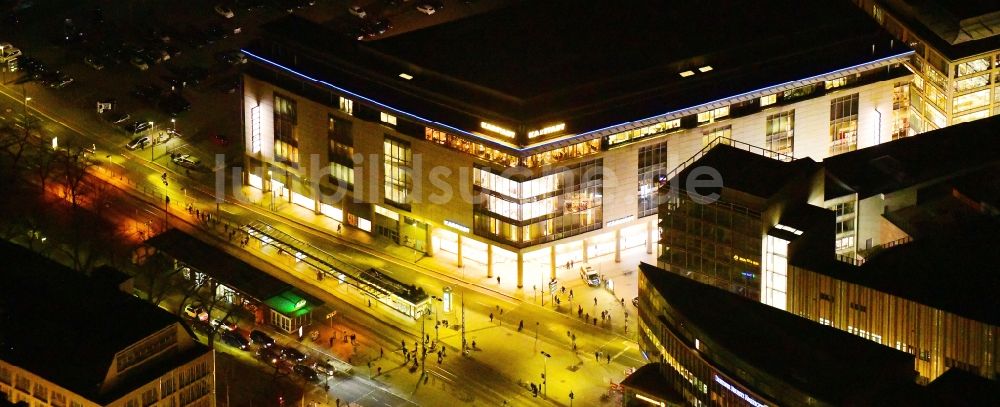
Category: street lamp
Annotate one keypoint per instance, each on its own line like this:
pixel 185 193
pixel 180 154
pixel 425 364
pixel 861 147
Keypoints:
pixel 545 374
pixel 152 141
pixel 436 322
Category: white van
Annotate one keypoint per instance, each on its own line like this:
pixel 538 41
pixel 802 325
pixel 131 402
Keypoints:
pixel 590 275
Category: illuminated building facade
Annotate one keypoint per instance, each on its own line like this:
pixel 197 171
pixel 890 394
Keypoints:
pixel 712 347
pixel 493 160
pixel 67 340
pixel 924 208
pixel 956 63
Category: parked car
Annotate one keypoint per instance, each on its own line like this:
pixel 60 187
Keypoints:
pixel 187 161
pixel 382 25
pixel 269 354
pixel 194 311
pixel 138 143
pixel 57 79
pixel 261 338
pixel 139 63
pixel 590 275
pixel 293 354
pixel 137 126
pixel 426 8
pixel 305 372
pixel 234 339
pixel 93 62
pixel 224 325
pixel 357 11
pixel 224 11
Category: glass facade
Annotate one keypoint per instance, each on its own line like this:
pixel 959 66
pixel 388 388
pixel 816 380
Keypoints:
pixel 652 175
pixel 642 132
pixel 341 151
pixel 779 132
pixel 562 203
pixel 844 124
pixel 469 147
pixel 286 140
pixel 398 161
pixel 900 111
pixel 570 152
pixel 717 244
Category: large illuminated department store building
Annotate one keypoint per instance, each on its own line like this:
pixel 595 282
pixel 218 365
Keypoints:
pixel 552 124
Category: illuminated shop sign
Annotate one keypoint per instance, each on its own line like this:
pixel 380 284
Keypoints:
pixel 739 393
pixel 745 260
pixel 619 221
pixel 547 130
pixel 456 225
pixel 496 129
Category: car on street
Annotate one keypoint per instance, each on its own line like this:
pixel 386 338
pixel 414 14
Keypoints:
pixel 293 354
pixel 589 275
pixel 261 338
pixel 234 339
pixel 270 355
pixel 426 8
pixel 137 126
pixel 357 11
pixel 224 325
pixel 139 63
pixel 138 143
pixel 635 302
pixel 56 79
pixel 381 26
pixel 193 310
pixel 187 161
pixel 94 61
pixel 224 11
pixel 305 372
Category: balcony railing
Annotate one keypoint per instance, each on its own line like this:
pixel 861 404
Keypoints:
pixel 732 143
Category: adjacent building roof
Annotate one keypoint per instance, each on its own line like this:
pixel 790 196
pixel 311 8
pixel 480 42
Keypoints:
pixel 226 268
pixel 946 152
pixel 827 363
pixel 743 171
pixel 540 62
pixel 67 328
pixel 957 28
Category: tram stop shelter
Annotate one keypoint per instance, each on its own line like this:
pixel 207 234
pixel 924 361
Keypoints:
pixel 236 282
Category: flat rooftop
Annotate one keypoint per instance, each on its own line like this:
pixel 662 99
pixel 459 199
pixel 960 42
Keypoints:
pixel 957 28
pixel 824 362
pixel 66 327
pixel 745 171
pixel 945 152
pixel 591 65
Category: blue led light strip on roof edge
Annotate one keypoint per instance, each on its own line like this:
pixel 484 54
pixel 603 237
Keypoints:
pixel 578 135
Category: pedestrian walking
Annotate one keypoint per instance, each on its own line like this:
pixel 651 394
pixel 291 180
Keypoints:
pixel 595 321
pixel 595 300
pixel 369 303
pixel 609 358
pixel 381 352
pixel 331 340
pixel 498 280
pixel 473 344
pixel 402 344
pixel 520 326
pixel 491 317
pixel 597 356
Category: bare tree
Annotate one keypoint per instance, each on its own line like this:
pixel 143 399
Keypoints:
pixel 74 172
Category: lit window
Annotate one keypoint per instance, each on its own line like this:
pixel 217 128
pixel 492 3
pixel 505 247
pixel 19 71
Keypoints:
pixel 768 100
pixel 346 105
pixel 705 68
pixel 836 83
pixel 686 74
pixel 713 115
pixel 387 118
pixel 406 76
